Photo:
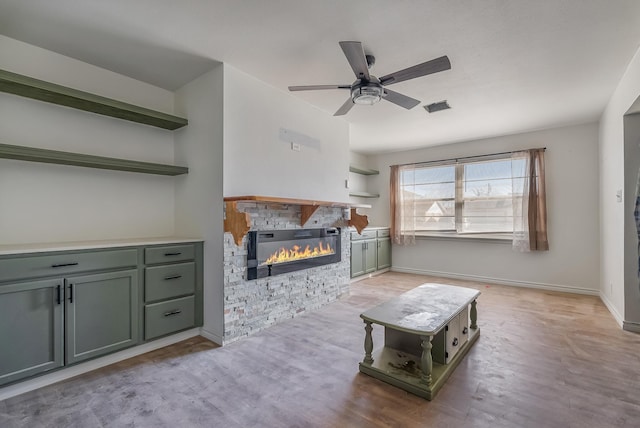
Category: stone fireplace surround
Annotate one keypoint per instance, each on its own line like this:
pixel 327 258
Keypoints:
pixel 253 305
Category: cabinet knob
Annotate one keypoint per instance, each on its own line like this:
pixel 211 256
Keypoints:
pixel 455 341
pixel 465 330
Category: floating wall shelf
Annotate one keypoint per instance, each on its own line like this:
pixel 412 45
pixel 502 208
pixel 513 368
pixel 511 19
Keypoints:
pixel 44 91
pixel 363 171
pixel 359 194
pixel 32 154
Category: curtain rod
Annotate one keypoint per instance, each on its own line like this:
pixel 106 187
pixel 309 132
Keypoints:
pixel 468 157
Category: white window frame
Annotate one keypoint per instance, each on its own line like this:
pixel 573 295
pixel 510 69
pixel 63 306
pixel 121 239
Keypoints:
pixel 458 166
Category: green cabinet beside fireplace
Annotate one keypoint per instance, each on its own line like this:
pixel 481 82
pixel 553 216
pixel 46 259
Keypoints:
pixel 370 251
pixel 64 307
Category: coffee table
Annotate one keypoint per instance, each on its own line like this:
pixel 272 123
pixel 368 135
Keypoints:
pixel 430 322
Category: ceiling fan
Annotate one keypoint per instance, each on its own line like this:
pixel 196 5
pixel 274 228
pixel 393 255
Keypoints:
pixel 368 89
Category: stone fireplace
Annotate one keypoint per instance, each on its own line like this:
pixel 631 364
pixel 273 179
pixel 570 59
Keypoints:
pixel 257 296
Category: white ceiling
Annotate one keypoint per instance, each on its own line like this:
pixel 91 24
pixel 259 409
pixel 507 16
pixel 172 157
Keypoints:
pixel 517 65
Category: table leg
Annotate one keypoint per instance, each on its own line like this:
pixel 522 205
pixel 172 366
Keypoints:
pixel 426 361
pixel 474 315
pixel 368 343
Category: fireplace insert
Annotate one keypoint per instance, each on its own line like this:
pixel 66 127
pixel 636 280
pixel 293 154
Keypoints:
pixel 275 252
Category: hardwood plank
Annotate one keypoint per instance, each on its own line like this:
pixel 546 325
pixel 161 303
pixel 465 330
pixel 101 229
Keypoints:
pixel 543 359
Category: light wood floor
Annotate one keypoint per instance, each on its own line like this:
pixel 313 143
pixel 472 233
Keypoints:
pixel 544 359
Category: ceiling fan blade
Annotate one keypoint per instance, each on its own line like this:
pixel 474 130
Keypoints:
pixel 357 59
pixel 429 67
pixel 345 108
pixel 317 87
pixel 401 100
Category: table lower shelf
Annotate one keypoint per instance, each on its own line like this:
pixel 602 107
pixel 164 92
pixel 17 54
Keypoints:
pixel 403 370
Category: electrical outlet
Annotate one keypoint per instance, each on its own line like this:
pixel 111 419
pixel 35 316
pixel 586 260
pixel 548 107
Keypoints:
pixel 295 147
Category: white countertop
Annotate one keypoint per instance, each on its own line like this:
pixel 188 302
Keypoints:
pixel 90 245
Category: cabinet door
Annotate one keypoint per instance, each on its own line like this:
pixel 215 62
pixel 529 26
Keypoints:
pixel 371 253
pixel 357 258
pixel 30 328
pixel 452 338
pixel 384 253
pixel 101 314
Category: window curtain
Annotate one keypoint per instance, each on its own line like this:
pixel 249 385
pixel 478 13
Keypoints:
pixel 530 205
pixel 402 201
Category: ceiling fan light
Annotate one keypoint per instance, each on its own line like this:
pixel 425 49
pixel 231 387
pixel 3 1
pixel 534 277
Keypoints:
pixel 367 95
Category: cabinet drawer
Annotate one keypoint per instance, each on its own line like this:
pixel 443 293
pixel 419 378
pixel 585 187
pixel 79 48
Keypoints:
pixel 164 282
pixel 168 317
pixel 383 233
pixel 169 253
pixel 65 263
pixel 366 234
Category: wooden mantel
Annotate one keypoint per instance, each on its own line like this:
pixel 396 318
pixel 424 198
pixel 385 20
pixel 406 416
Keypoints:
pixel 239 223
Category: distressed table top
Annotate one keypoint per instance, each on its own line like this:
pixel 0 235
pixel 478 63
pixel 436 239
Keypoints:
pixel 425 310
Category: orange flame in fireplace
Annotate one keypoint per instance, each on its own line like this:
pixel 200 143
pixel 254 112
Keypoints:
pixel 297 253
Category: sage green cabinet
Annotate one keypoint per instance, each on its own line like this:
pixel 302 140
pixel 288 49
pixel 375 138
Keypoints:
pixel 384 253
pixel 31 334
pixel 363 253
pixel 172 289
pixel 370 251
pixel 357 258
pixel 101 314
pixel 60 308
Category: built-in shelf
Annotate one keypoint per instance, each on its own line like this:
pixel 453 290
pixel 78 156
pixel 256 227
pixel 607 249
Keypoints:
pixel 359 194
pixel 50 92
pixel 32 154
pixel 363 171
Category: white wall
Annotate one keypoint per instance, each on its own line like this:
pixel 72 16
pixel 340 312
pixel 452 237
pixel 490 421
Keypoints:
pixel 257 162
pixel 198 208
pixel 612 179
pixel 572 263
pixel 49 203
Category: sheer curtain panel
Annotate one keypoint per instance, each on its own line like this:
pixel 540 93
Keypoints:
pixel 530 204
pixel 402 200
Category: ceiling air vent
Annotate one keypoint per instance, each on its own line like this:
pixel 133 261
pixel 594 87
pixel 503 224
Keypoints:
pixel 442 105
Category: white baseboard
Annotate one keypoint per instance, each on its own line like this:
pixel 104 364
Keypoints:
pixel 500 281
pixel 612 309
pixel 78 369
pixel 369 275
pixel 211 336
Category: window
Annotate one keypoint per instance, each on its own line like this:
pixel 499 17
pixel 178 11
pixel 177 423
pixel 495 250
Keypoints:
pixel 464 197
